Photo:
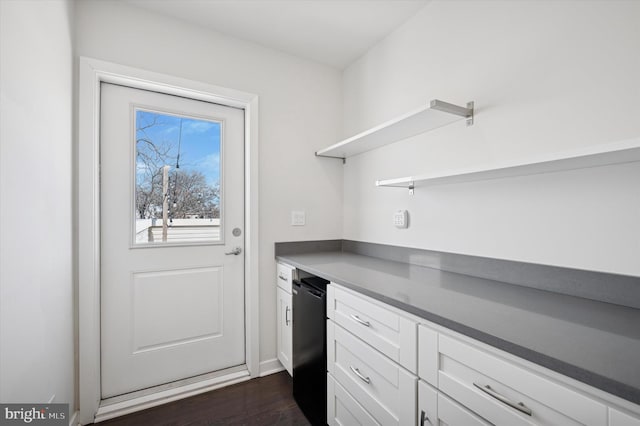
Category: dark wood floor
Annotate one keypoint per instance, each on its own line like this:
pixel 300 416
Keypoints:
pixel 263 401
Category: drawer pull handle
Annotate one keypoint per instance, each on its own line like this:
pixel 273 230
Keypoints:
pixel 423 418
pixel 357 319
pixel 517 405
pixel 359 374
pixel 282 277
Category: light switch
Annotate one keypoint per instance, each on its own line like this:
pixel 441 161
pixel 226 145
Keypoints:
pixel 297 218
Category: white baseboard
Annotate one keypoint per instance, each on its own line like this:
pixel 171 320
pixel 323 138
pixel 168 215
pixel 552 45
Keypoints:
pixel 73 421
pixel 106 412
pixel 270 366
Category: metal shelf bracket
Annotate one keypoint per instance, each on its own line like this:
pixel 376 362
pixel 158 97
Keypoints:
pixel 454 109
pixel 344 160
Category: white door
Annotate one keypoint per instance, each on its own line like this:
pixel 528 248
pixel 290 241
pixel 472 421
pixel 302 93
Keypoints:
pixel 172 241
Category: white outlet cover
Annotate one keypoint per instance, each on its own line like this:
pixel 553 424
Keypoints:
pixel 401 219
pixel 298 218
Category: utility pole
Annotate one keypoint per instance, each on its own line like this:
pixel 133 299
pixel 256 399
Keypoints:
pixel 165 201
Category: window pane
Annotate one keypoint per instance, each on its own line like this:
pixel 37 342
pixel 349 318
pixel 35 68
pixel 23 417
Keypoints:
pixel 177 193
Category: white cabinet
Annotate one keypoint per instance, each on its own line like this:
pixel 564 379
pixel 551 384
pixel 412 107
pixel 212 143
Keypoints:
pixel 380 326
pixel 618 418
pixel 427 404
pixel 505 393
pixel 284 329
pixel 382 387
pixel 374 351
pixel 503 389
pixel 371 360
pixel 428 359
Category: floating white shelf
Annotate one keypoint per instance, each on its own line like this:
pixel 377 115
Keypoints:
pixel 600 155
pixel 429 117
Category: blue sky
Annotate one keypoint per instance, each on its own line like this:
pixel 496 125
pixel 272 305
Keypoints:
pixel 199 146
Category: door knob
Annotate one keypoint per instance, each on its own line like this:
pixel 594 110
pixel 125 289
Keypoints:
pixel 236 251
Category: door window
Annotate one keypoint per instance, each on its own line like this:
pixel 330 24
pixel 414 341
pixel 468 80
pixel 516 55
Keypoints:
pixel 177 179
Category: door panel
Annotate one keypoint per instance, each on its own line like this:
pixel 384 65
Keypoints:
pixel 172 299
pixel 165 312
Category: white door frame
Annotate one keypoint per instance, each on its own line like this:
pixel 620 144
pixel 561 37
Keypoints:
pixel 92 73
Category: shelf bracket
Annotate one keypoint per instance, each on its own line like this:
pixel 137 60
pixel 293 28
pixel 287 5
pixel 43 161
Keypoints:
pixel 454 109
pixel 470 117
pixel 344 160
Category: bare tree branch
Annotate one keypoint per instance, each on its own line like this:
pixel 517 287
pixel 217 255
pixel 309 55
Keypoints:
pixel 189 193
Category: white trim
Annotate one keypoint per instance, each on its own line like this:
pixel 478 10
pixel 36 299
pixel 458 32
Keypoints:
pixel 92 73
pixel 73 420
pixel 270 366
pixel 129 406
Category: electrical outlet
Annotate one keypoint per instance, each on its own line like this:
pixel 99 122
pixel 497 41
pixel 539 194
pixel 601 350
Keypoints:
pixel 401 219
pixel 298 218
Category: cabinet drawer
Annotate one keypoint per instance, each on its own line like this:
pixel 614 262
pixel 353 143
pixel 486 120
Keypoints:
pixel 451 413
pixel 435 409
pixel 343 409
pixel 501 391
pixel 618 418
pixel 284 276
pixel 382 387
pixel 387 331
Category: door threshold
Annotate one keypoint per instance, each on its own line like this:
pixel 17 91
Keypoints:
pixel 151 397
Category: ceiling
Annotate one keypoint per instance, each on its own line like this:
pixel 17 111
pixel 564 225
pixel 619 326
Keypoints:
pixel 332 32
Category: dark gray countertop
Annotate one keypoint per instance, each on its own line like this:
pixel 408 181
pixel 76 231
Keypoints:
pixel 594 342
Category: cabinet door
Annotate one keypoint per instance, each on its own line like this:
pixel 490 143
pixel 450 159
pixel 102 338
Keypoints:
pixel 427 405
pixel 284 329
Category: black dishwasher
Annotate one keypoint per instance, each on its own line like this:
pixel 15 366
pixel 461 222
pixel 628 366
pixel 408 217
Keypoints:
pixel 310 348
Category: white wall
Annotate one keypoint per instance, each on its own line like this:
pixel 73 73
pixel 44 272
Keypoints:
pixel 300 111
pixel 546 77
pixel 36 282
